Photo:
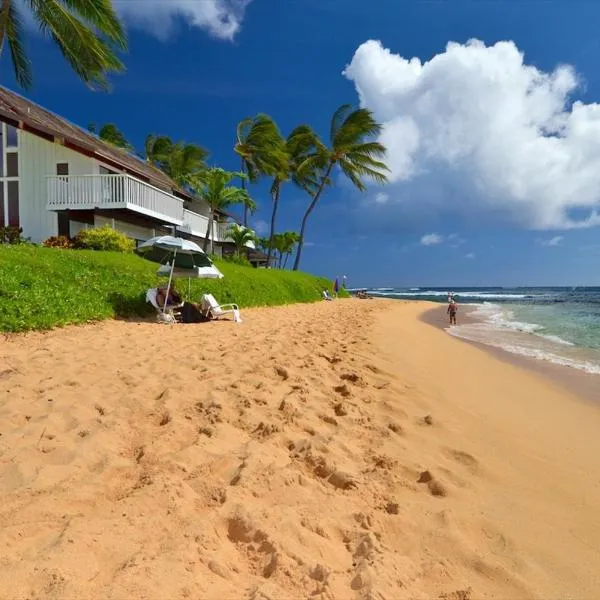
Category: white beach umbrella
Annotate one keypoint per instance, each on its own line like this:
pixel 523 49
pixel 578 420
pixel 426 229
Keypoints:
pixel 178 252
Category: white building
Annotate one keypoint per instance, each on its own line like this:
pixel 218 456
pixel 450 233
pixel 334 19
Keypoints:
pixel 56 179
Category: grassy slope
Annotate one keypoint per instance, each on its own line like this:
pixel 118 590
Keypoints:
pixel 46 287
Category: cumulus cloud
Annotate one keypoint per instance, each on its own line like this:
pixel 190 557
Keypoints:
pixel 553 241
pixel 220 18
pixel 431 239
pixel 477 132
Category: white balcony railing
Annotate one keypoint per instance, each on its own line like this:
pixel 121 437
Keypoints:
pixel 86 192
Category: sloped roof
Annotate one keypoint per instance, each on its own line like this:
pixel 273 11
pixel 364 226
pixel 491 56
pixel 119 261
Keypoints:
pixel 36 119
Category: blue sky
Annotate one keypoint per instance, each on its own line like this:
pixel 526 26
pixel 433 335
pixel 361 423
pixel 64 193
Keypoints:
pixel 481 193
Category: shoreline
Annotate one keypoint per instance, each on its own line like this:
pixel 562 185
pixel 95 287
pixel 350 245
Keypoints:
pixel 584 385
pixel 328 450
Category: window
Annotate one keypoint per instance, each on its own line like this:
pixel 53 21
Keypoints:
pixel 1 153
pixel 62 168
pixel 12 189
pixel 12 164
pixel 12 136
pixel 105 171
pixel 1 204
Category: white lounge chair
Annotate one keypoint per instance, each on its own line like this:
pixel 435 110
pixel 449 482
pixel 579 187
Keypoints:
pixel 210 307
pixel 171 313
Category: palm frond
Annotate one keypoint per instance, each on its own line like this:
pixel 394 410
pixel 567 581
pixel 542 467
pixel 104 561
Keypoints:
pixel 100 15
pixel 339 117
pixel 89 55
pixel 11 29
pixel 357 126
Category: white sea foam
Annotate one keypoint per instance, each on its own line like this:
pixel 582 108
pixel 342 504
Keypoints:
pixel 457 295
pixel 529 351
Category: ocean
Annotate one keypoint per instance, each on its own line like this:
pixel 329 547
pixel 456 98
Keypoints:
pixel 560 325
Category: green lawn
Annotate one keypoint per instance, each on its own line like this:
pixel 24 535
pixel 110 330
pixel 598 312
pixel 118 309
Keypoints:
pixel 42 288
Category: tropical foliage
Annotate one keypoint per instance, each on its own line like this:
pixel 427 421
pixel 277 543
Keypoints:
pixel 179 160
pixel 284 243
pixel 213 187
pixel 111 134
pixel 240 236
pixel 352 150
pixel 261 150
pixel 103 238
pixel 87 32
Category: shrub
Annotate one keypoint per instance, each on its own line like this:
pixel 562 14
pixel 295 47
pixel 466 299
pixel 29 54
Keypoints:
pixel 12 235
pixel 237 260
pixel 103 238
pixel 58 241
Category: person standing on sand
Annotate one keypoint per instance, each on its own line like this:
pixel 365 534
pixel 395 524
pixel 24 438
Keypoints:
pixel 452 310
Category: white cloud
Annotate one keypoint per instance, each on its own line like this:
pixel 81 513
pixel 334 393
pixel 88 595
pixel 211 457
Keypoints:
pixel 220 18
pixel 381 198
pixel 478 133
pixel 431 239
pixel 554 241
pixel 261 227
pixel 470 255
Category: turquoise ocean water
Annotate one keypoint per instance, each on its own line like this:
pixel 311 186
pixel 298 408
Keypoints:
pixel 559 325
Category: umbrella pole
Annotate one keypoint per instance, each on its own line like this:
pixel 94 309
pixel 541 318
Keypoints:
pixel 170 279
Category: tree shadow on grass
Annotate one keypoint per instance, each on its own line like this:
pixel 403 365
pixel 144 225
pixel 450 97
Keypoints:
pixel 126 307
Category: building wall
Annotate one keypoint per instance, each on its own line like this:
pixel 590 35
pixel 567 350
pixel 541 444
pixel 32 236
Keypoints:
pixel 38 159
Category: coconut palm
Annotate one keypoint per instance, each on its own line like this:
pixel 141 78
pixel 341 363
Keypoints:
pixel 213 186
pixel 298 146
pixel 283 244
pixel 356 158
pixel 87 32
pixel 240 236
pixel 156 148
pixel 178 160
pixel 111 134
pixel 260 148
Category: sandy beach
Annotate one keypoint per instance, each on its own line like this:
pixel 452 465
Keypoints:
pixel 341 450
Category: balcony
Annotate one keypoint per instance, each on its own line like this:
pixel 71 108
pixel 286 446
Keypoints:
pixel 120 191
pixel 196 225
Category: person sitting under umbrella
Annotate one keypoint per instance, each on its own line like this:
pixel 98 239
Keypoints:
pixel 173 297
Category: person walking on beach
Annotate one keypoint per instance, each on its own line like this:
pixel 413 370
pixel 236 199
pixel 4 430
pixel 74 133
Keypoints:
pixel 452 310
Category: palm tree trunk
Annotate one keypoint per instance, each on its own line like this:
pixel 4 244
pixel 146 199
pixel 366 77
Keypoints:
pixel 208 230
pixel 310 208
pixel 280 259
pixel 243 170
pixel 273 216
pixel 287 255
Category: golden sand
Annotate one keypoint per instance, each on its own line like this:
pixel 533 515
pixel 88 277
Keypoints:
pixel 338 450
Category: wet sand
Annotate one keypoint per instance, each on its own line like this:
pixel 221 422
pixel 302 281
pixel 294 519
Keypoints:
pixel 586 386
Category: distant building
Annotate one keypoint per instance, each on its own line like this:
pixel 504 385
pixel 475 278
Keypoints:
pixel 57 179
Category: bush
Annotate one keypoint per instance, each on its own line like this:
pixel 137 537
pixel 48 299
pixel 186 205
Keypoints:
pixel 103 238
pixel 12 235
pixel 237 260
pixel 58 241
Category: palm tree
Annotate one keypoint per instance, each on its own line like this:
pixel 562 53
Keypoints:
pixel 356 158
pixel 87 32
pixel 178 160
pixel 298 145
pixel 213 187
pixel 156 148
pixel 111 134
pixel 260 148
pixel 290 239
pixel 240 236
